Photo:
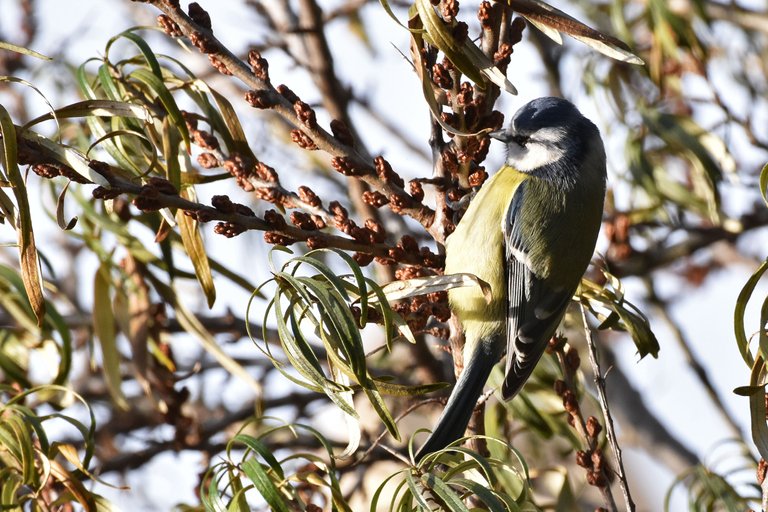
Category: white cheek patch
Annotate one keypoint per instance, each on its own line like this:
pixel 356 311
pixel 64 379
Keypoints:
pixel 541 149
pixel 533 155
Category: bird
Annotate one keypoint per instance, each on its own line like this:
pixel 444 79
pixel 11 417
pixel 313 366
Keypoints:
pixel 529 233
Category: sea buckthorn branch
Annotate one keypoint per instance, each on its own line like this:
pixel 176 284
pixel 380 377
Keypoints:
pixel 253 175
pixel 262 94
pixel 366 242
pixel 599 474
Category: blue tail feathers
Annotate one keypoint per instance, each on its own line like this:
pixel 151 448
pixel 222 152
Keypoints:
pixel 458 411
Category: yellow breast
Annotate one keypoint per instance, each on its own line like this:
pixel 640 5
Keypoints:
pixel 477 247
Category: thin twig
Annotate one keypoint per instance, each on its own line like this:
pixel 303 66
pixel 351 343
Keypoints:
pixel 609 428
pixel 377 441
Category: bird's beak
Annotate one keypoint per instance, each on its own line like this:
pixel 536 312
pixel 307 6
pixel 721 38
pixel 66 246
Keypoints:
pixel 502 135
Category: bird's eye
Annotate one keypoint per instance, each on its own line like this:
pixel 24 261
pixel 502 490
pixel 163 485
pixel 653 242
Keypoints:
pixel 521 140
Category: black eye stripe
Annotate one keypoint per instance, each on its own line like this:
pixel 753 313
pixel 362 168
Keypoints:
pixel 521 140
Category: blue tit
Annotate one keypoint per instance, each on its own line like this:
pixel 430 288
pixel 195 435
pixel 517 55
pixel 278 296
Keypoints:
pixel 529 233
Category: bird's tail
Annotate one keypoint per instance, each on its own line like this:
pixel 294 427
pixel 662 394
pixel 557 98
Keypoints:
pixel 455 417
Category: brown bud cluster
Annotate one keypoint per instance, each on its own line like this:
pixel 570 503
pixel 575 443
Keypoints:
pixel 204 216
pixel 203 42
pixel 484 14
pixel 105 193
pixel 219 64
pixel 572 359
pixel 266 173
pixel 450 161
pixel 431 259
pixel 617 233
pixel 346 166
pixel 363 259
pixel 341 131
pixel 309 197
pixel 319 221
pixel 410 272
pixel 316 242
pixel 399 202
pixel 303 221
pixel 386 173
pixel 259 65
pixel 450 9
pixel 274 219
pixel 199 15
pixel 258 98
pixel 416 189
pixel 147 202
pixel 303 140
pixel 465 95
pixel 225 205
pixel 241 167
pixel 375 198
pixel 475 150
pixel 340 213
pixel 52 170
pixel 593 427
pixel 502 56
pixel 373 315
pixel 594 463
pixel 270 195
pixel 441 76
pixel 378 233
pixel 417 310
pixel 570 403
pixel 478 177
pixel 228 229
pixel 494 120
pixel 190 119
pixel 287 93
pixel 205 140
pixel 277 239
pixel 162 185
pixel 169 26
pixel 208 160
pixel 556 344
pixel 388 262
pixel 305 113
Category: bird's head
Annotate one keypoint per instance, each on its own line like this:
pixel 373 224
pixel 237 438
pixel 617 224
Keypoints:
pixel 549 131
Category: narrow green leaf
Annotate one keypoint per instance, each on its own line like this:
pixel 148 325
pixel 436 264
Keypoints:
pixel 4 45
pixel 195 248
pixel 104 328
pixel 764 183
pixel 742 340
pixel 260 448
pixel 30 267
pixel 444 492
pixel 60 219
pixel 255 472
pixel 97 108
pixel 157 86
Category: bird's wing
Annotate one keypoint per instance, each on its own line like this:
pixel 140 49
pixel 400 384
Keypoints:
pixel 535 308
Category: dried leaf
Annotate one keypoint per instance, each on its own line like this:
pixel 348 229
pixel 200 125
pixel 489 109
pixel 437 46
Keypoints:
pixel 553 21
pixel 30 267
pixel 193 245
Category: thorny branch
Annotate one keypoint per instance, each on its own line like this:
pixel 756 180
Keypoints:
pixel 610 432
pixel 348 155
